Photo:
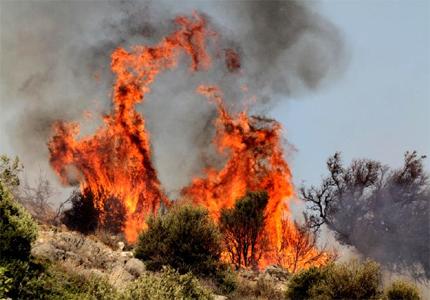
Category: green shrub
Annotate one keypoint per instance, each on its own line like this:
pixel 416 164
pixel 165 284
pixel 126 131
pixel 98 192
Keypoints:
pixel 168 285
pixel 341 281
pixel 6 283
pixel 35 280
pixel 185 238
pixel 349 281
pixel 301 284
pixel 402 290
pixel 17 229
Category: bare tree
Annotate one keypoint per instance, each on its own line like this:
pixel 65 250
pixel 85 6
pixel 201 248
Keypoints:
pixel 299 249
pixel 36 199
pixel 384 213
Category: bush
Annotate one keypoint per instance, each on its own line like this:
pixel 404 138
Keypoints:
pixel 185 238
pixel 84 217
pixel 349 281
pixel 402 290
pixel 226 281
pixel 17 229
pixel 169 285
pixel 343 281
pixel 301 284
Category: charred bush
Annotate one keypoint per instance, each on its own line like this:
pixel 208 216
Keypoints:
pixel 84 216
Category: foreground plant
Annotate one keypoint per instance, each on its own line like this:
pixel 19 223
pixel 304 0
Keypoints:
pixel 185 238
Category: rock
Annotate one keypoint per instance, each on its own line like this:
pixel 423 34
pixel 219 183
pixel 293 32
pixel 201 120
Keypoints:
pixel 119 277
pixel 135 267
pixel 219 297
pixel 46 251
pixel 121 246
pixel 277 272
pixel 126 254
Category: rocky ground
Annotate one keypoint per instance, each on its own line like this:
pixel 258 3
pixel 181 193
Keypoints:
pixel 88 254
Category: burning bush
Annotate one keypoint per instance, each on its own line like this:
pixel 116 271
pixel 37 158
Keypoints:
pixel 84 216
pixel 242 228
pixel 383 213
pixel 184 238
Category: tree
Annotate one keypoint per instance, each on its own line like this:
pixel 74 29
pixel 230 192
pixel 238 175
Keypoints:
pixel 185 238
pixel 242 228
pixel 298 249
pixel 35 198
pixel 382 212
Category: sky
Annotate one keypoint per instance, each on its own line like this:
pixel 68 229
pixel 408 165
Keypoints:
pixel 380 106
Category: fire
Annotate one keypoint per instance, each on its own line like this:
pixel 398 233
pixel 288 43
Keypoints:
pixel 116 160
pixel 255 162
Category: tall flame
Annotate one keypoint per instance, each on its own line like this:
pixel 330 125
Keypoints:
pixel 116 160
pixel 255 163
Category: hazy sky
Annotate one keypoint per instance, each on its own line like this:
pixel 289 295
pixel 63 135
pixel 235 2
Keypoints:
pixel 381 106
pixel 378 109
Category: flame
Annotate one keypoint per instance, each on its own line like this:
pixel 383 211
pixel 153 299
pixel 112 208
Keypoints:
pixel 116 160
pixel 255 162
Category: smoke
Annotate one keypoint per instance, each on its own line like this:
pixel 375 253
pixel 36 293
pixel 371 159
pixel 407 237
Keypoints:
pixel 55 64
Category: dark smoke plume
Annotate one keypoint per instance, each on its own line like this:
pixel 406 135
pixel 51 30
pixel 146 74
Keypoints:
pixel 55 64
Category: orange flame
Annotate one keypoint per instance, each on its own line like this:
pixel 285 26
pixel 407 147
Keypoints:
pixel 116 160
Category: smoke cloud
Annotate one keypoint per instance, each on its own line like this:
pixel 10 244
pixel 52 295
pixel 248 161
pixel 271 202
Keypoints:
pixel 55 64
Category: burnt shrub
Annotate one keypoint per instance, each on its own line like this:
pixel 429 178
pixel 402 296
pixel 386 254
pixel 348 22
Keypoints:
pixel 84 217
pixel 185 238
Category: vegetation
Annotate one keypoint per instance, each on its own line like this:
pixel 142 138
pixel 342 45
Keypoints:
pixel 9 171
pixel 242 228
pixel 185 238
pixel 372 207
pixel 17 229
pixel 85 218
pixel 402 290
pixel 337 281
pixel 300 285
pixel 169 285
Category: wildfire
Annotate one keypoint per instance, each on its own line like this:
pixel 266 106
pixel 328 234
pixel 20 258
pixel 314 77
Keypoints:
pixel 255 163
pixel 116 160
